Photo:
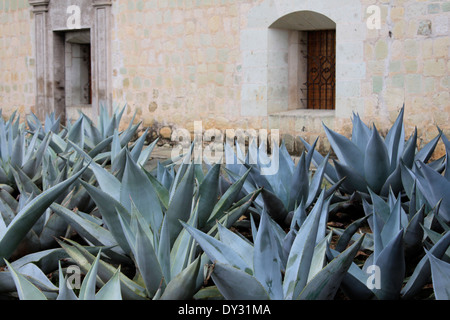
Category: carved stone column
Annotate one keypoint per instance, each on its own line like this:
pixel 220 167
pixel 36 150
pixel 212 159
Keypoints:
pixel 50 23
pixel 101 59
pixel 40 10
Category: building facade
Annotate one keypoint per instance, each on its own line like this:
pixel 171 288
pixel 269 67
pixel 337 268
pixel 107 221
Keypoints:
pixel 291 65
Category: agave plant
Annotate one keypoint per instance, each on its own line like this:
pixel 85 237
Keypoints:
pixel 367 161
pixel 27 290
pixel 15 226
pixel 440 271
pixel 141 219
pixel 18 149
pixel 245 270
pixel 398 241
pixel 283 190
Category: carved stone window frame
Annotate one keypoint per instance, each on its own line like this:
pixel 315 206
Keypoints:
pixel 49 52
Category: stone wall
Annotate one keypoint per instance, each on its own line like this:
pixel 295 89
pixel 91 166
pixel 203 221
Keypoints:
pixel 17 61
pixel 174 62
pixel 408 62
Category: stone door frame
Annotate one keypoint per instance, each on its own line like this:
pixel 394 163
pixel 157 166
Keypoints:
pixel 49 18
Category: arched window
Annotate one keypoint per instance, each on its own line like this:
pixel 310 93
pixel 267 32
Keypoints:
pixel 310 59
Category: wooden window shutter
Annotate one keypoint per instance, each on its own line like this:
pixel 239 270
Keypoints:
pixel 321 59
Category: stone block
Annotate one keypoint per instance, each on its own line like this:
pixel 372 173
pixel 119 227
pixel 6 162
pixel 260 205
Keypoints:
pixel 414 83
pixel 381 50
pixel 434 67
pixel 377 84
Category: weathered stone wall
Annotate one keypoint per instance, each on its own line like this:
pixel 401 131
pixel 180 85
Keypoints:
pixel 17 62
pixel 179 61
pixel 408 62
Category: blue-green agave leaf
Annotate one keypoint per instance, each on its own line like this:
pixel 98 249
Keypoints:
pixel 267 264
pixel 360 133
pixel 440 273
pixel 391 262
pixel 29 215
pixel 347 152
pixel 107 206
pixel 238 243
pixel 324 285
pixel 422 271
pixel 208 194
pixel 354 181
pixel 317 159
pixel 180 206
pixel 184 285
pixel 376 162
pixel 147 263
pixel 395 140
pixel 25 289
pixel 65 291
pixel 302 250
pixel 218 251
pixel 111 290
pixel 89 284
pixel 230 282
pixel 137 188
pixel 435 188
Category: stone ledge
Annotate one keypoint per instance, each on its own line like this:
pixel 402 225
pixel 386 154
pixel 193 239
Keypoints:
pixel 300 113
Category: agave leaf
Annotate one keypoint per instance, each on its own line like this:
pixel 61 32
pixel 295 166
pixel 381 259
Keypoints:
pixel 180 206
pixel 137 188
pixel 299 189
pixel 354 181
pixel 414 233
pixel 391 262
pixel 422 271
pixel 395 140
pixel 181 250
pixel 440 273
pixel 107 206
pixel 394 223
pixel 409 151
pixel 235 284
pixel 89 230
pixel 25 289
pixel 354 283
pixel 316 181
pixel 376 162
pixel 345 238
pixel 160 189
pixel 184 285
pixel 326 283
pixel 65 291
pixel 302 250
pixel 208 194
pixel 88 286
pixel 267 262
pixel 274 206
pixel 27 217
pixel 360 133
pixel 319 258
pixel 147 262
pixel 425 153
pixel 111 290
pixel 435 188
pixel 107 182
pixel 227 199
pixel 130 290
pixel 237 243
pixel 347 152
pixel 216 250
